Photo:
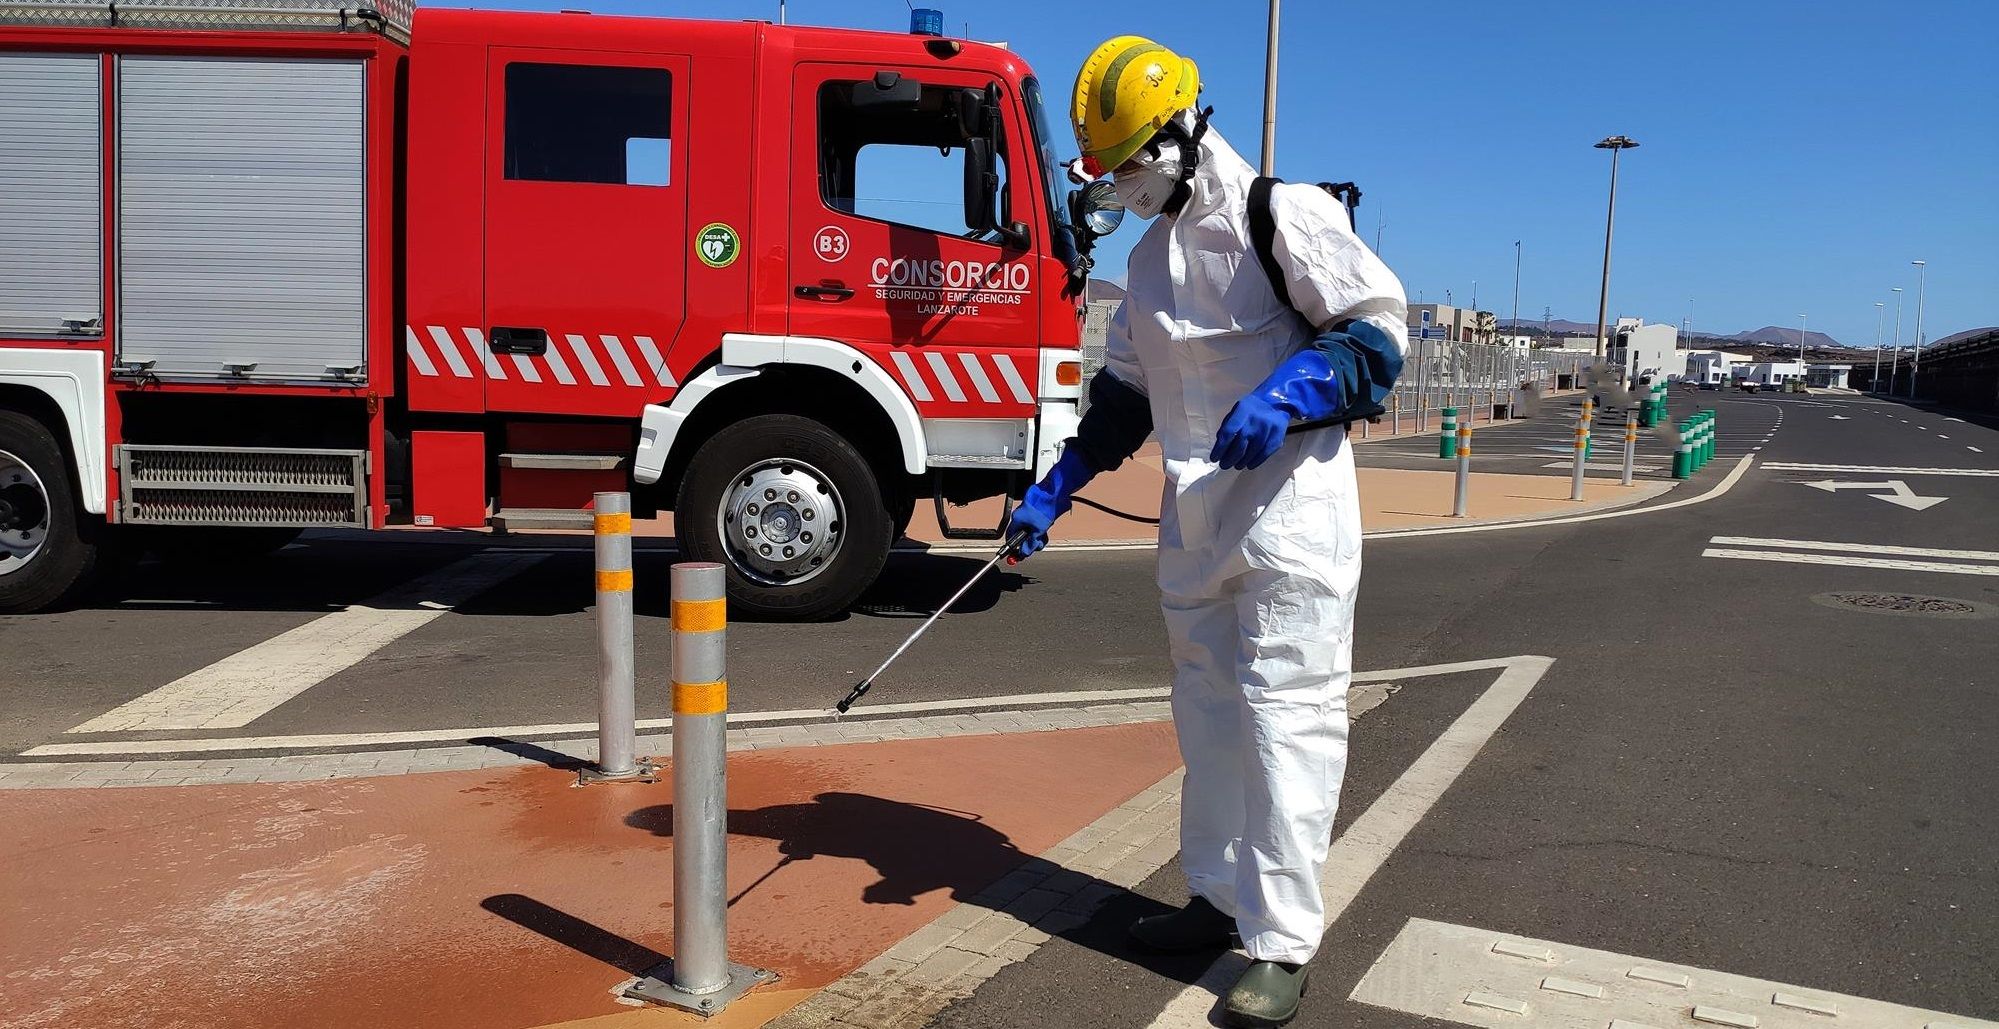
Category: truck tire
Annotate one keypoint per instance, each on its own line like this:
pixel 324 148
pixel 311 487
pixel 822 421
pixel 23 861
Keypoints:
pixel 50 550
pixel 793 511
pixel 212 544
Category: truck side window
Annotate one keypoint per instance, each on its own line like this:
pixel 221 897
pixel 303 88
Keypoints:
pixel 905 167
pixel 589 123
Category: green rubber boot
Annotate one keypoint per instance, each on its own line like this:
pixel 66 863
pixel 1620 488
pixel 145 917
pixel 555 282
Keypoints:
pixel 1266 996
pixel 1198 926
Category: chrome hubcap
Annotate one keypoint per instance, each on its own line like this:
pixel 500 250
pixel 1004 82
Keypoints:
pixel 24 514
pixel 781 522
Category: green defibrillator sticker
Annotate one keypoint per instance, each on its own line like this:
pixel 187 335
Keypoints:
pixel 717 245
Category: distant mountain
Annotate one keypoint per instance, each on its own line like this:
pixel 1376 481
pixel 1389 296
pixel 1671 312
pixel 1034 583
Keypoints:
pixel 1781 336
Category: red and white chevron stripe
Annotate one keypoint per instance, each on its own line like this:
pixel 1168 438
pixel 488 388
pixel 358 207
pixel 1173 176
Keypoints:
pixel 962 376
pixel 608 362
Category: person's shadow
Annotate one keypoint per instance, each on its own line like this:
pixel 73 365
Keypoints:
pixel 918 849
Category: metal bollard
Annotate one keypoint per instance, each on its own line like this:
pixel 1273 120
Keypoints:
pixel 699 977
pixel 1395 423
pixel 1464 471
pixel 1630 445
pixel 1582 452
pixel 617 730
pixel 1447 440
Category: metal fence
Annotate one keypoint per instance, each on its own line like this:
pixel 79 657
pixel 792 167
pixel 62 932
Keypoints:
pixel 1479 379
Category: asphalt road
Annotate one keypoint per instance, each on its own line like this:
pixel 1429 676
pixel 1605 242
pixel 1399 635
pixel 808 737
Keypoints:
pixel 1722 768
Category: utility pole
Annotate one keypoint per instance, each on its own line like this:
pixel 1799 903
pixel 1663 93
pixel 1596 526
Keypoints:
pixel 780 12
pixel 1917 364
pixel 1269 163
pixel 1377 230
pixel 1612 144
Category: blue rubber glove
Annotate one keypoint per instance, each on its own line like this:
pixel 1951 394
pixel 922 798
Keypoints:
pixel 1047 500
pixel 1304 387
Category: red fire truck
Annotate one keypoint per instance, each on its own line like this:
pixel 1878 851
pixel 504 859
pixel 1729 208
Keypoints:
pixel 269 266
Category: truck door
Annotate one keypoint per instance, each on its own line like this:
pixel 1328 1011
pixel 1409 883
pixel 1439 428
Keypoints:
pixel 586 225
pixel 881 255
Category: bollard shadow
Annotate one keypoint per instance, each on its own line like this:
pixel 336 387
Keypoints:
pixel 585 938
pixel 531 751
pixel 917 849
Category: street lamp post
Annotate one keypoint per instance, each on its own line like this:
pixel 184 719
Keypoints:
pixel 1612 144
pixel 1516 286
pixel 1269 162
pixel 1801 350
pixel 1895 365
pixel 1916 365
pixel 1880 318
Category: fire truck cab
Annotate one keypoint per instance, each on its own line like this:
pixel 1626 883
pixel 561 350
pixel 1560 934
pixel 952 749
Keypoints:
pixel 282 266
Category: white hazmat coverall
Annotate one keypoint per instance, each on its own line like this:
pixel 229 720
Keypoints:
pixel 1258 567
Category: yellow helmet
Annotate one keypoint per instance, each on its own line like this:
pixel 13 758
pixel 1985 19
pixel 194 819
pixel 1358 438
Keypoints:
pixel 1127 91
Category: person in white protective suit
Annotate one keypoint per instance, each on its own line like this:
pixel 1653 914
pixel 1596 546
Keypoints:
pixel 1260 535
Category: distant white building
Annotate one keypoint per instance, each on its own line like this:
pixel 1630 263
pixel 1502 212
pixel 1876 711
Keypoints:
pixel 1716 366
pixel 1645 350
pixel 1769 373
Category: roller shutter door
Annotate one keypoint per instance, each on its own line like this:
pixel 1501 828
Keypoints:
pixel 51 172
pixel 242 240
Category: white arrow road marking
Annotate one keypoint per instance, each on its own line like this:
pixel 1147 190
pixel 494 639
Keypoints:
pixel 1839 418
pixel 1372 838
pixel 246 685
pixel 1483 978
pixel 1899 492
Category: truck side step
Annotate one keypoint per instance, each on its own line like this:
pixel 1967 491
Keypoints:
pixel 518 518
pixel 563 462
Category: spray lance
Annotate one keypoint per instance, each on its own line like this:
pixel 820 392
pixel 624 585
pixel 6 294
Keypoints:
pixel 1008 552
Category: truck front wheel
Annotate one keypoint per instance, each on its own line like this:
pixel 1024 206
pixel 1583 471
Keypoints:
pixel 48 555
pixel 792 509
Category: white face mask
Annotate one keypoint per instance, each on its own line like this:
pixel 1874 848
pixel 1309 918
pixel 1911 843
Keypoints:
pixel 1145 187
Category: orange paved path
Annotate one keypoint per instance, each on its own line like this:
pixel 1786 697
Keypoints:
pixel 510 897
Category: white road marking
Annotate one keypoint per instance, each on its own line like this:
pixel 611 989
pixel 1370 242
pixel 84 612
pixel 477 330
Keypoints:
pixel 1953 419
pixel 244 686
pixel 1445 971
pixel 1372 838
pixel 1879 469
pixel 1857 548
pixel 1850 562
pixel 1942 436
pixel 1602 466
pixel 1727 483
pixel 861 714
pixel 1898 493
pixel 1973 449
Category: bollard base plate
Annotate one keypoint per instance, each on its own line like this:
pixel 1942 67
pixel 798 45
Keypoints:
pixel 643 771
pixel 656 985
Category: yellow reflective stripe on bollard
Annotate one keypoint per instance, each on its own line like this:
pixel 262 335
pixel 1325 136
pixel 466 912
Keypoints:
pixel 614 582
pixel 700 615
pixel 610 523
pixel 700 698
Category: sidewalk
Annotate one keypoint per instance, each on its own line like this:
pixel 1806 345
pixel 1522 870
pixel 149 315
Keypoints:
pixel 511 897
pixel 1391 499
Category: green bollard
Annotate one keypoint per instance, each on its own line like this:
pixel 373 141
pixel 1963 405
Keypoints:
pixel 1683 454
pixel 1447 443
pixel 1707 437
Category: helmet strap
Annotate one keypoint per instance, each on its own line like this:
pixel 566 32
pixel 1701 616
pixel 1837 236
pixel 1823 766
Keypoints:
pixel 1190 157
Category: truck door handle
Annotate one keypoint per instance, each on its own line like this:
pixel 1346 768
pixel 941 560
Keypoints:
pixel 837 292
pixel 505 339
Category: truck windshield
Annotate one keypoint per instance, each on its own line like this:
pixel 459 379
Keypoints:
pixel 1063 237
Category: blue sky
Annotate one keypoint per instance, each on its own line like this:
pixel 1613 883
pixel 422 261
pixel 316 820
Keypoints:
pixel 1795 155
